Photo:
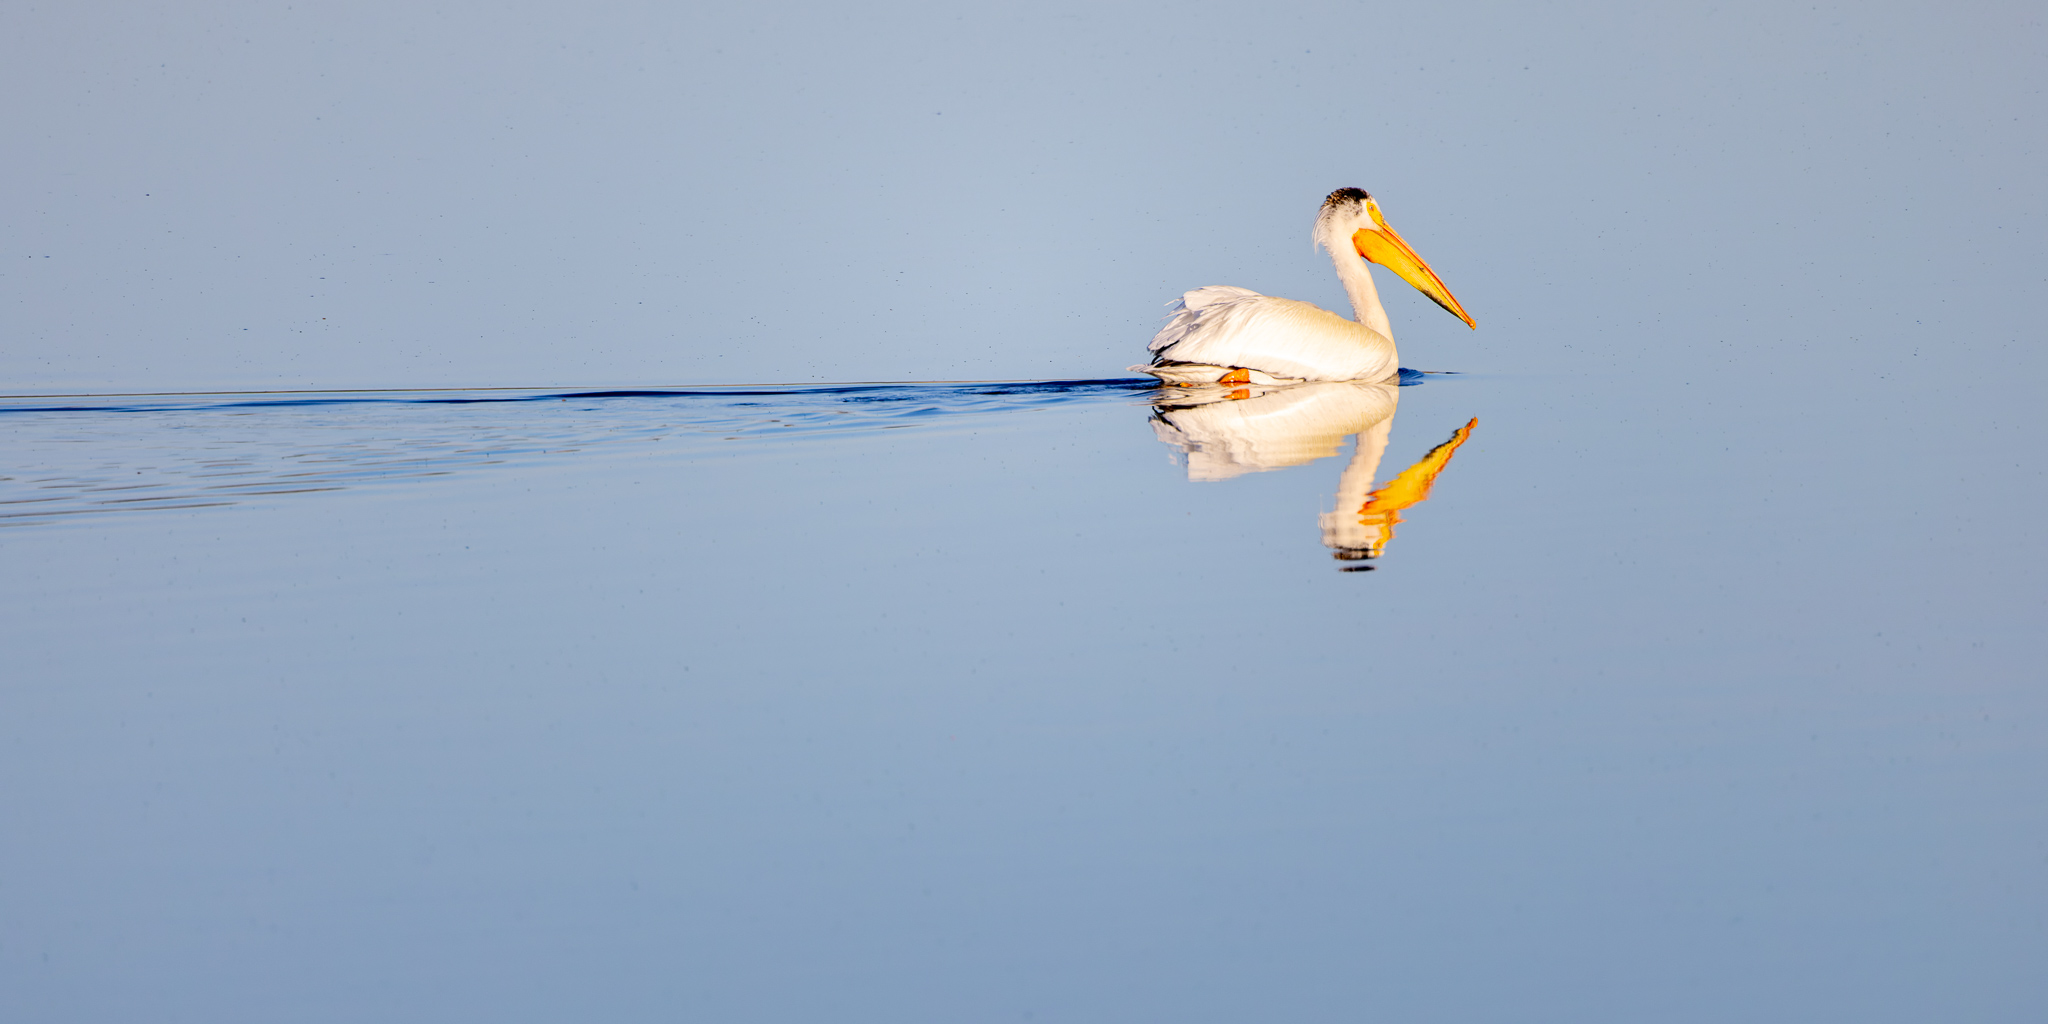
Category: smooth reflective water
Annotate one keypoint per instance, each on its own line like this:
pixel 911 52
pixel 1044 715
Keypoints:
pixel 981 702
pixel 1697 676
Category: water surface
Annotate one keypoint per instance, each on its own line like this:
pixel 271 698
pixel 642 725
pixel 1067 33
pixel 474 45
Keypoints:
pixel 1678 661
pixel 1008 702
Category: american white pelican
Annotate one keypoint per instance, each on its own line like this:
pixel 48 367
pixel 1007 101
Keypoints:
pixel 1224 432
pixel 1221 334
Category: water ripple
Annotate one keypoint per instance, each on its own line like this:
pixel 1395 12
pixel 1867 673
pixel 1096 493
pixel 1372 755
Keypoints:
pixel 81 458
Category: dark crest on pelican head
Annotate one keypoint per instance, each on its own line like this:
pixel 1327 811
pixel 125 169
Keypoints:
pixel 1345 197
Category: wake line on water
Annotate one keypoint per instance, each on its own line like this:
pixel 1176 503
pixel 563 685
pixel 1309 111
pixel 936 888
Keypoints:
pixel 77 461
pixel 851 391
pixel 84 457
pixel 466 395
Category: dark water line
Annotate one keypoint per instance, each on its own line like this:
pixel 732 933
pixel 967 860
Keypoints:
pixel 508 387
pixel 470 396
pixel 865 391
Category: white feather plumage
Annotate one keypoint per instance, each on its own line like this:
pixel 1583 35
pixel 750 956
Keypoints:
pixel 1219 328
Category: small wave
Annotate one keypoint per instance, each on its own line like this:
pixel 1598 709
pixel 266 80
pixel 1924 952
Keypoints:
pixel 84 457
pixel 971 394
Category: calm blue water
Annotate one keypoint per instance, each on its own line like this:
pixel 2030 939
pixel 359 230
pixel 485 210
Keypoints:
pixel 1008 702
pixel 1678 659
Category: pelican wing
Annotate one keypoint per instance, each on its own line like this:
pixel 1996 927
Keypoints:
pixel 1235 327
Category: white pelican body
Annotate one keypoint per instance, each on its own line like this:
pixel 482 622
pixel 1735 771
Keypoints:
pixel 1221 334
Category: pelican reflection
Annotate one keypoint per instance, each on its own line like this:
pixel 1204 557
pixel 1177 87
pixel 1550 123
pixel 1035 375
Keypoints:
pixel 1226 432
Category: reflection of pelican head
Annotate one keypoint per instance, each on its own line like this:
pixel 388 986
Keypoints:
pixel 1225 433
pixel 1363 523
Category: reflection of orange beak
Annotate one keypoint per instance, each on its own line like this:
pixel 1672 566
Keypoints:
pixel 1383 507
pixel 1386 247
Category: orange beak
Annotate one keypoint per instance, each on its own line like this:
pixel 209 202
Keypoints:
pixel 1386 247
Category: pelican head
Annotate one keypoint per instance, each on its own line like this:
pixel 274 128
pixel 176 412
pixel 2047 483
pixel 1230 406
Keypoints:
pixel 1350 217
